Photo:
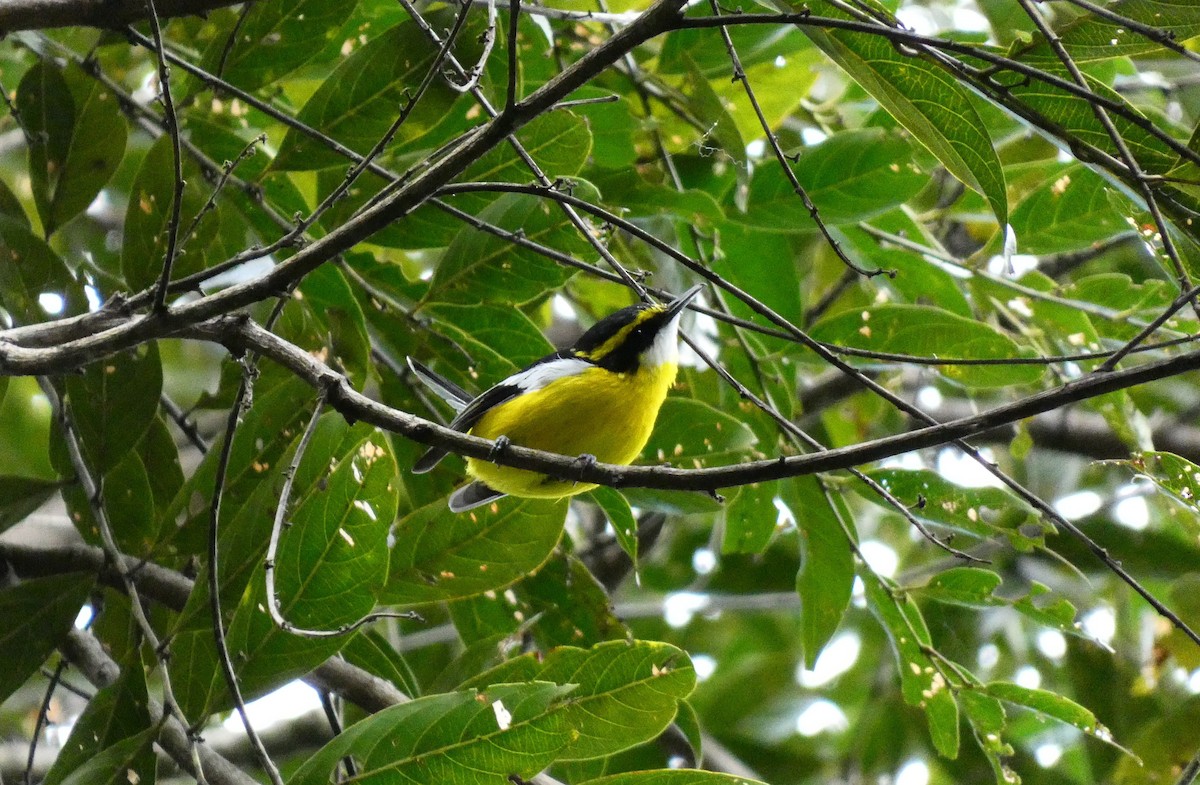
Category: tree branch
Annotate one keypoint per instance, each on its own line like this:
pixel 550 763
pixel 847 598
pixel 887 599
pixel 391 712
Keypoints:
pixel 112 14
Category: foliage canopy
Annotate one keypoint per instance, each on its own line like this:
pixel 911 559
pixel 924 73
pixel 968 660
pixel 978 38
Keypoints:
pixel 223 230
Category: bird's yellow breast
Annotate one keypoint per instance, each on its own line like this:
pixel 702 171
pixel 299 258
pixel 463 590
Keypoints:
pixel 596 412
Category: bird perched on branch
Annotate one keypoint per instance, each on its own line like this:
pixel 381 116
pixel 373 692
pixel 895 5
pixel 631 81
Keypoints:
pixel 597 400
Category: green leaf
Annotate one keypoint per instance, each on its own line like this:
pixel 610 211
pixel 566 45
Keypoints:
pixel 330 565
pixel 559 142
pixel 825 580
pixel 1092 37
pixel 20 496
pixel 148 217
pixel 921 681
pixel 10 206
pixel 1077 119
pixel 1067 213
pixel 373 653
pixel 453 738
pixel 30 268
pixel 266 430
pixel 441 556
pixel 982 512
pixel 129 760
pixel 114 714
pixel 620 517
pixel 925 99
pixel 609 678
pixel 987 719
pixel 35 616
pixel 931 332
pixel 1052 705
pixel 112 404
pixel 480 267
pixel 360 99
pixel 672 777
pixel 274 39
pixel 691 434
pixel 78 136
pixel 1177 476
pixel 850 177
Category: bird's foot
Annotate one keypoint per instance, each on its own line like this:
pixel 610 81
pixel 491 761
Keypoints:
pixel 499 448
pixel 587 460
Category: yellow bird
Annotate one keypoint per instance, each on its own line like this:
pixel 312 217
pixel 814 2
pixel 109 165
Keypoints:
pixel 598 399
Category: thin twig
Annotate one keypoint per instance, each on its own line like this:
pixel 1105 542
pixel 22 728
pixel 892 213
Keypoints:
pixel 240 400
pixel 172 124
pixel 92 490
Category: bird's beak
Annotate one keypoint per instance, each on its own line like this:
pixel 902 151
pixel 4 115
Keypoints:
pixel 677 305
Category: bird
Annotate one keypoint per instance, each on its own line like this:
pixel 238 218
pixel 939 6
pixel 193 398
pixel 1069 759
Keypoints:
pixel 597 400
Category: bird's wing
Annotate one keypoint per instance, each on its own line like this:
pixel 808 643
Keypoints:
pixel 472 495
pixel 536 376
pixel 466 419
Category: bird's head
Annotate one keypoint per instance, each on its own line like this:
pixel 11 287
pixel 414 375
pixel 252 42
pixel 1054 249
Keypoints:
pixel 640 336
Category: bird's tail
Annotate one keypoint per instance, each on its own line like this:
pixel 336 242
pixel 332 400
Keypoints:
pixel 448 391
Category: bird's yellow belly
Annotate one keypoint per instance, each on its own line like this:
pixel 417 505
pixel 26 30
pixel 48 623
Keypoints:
pixel 596 413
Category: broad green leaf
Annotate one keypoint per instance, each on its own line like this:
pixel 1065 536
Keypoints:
pixel 275 38
pixel 825 580
pixel 480 267
pixel 850 177
pixel 482 737
pixel 124 763
pixel 561 604
pixel 559 142
pixel 630 195
pixel 987 719
pixel 672 777
pixel 620 517
pixel 441 556
pixel 1052 705
pixel 19 496
pixel 610 678
pixel 35 615
pixel 707 123
pixel 333 557
pixel 273 421
pixel 483 343
pixel 1068 213
pixel 78 137
pixel 1093 37
pixel 128 503
pixel 335 328
pixel 114 714
pixel 693 435
pixel 372 652
pixel 967 586
pixel 981 512
pixel 1077 119
pixel 10 206
pixel 148 217
pixel 568 605
pixel 29 268
pixel 756 45
pixel 1177 476
pixel 931 332
pixel 921 681
pixel 112 404
pixel 359 100
pixel 331 564
pixel 925 99
pixel 976 588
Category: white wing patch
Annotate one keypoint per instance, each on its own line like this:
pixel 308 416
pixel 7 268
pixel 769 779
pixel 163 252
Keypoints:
pixel 542 374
